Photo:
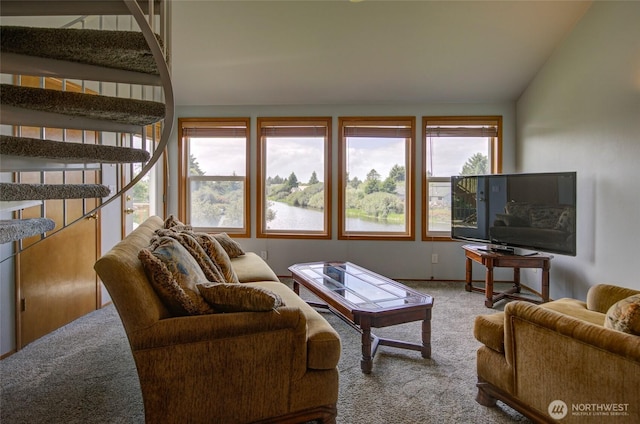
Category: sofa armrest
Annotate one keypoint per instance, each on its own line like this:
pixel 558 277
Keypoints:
pixel 198 328
pixel 602 296
pixel 587 334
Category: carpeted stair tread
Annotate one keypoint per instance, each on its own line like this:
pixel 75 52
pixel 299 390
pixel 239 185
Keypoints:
pixel 126 50
pixel 70 152
pixel 103 108
pixel 18 229
pixel 15 191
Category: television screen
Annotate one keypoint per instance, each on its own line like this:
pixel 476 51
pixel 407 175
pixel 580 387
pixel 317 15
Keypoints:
pixel 536 211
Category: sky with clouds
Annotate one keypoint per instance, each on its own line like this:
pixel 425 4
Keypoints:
pixel 304 156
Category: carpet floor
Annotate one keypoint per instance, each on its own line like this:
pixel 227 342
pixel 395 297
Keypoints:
pixel 84 372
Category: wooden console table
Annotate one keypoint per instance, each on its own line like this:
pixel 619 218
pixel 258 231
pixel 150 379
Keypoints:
pixel 492 260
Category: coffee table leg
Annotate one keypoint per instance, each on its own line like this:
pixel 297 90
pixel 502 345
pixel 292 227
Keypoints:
pixel 366 364
pixel 426 337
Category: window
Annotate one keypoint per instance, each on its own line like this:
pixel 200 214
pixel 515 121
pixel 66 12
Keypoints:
pixel 214 169
pixel 376 157
pixel 141 200
pixel 294 177
pixel 455 146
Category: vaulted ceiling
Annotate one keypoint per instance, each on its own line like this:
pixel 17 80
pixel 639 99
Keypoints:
pixel 365 52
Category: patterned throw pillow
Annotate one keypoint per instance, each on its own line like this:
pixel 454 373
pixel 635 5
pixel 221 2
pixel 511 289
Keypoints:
pixel 624 315
pixel 174 273
pixel 186 239
pixel 173 223
pixel 218 255
pixel 239 298
pixel 231 246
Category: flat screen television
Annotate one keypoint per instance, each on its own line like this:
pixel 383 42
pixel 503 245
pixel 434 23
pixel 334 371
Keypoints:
pixel 516 213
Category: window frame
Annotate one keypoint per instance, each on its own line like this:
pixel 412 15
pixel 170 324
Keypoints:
pixel 185 179
pixel 410 146
pixel 495 156
pixel 280 122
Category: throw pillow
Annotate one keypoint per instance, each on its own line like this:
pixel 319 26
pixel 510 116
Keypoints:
pixel 239 297
pixel 218 255
pixel 624 315
pixel 173 223
pixel 188 241
pixel 231 246
pixel 174 273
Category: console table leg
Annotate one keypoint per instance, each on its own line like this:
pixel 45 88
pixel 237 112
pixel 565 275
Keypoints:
pixel 489 287
pixel 468 275
pixel 545 281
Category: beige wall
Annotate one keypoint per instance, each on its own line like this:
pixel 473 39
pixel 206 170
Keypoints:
pixel 582 113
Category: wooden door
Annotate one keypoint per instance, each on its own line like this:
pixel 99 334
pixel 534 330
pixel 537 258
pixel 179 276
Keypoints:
pixel 57 283
pixel 55 280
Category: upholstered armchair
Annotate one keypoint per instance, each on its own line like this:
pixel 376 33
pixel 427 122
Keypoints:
pixel 564 359
pixel 240 367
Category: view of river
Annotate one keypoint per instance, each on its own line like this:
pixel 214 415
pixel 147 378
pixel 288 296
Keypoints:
pixel 296 218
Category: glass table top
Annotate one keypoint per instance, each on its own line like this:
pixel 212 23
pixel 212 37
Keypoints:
pixel 358 286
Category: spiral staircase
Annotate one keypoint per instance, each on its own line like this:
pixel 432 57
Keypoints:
pixel 109 87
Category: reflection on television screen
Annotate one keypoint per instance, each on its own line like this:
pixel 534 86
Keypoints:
pixel 529 211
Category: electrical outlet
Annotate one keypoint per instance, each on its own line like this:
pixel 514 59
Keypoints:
pixel 434 258
pixel 263 254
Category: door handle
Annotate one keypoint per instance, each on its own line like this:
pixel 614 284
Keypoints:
pixel 92 216
pixel 129 211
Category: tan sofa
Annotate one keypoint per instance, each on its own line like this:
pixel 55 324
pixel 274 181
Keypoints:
pixel 241 367
pixel 536 355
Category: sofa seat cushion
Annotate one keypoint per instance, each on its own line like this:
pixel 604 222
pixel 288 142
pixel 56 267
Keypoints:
pixel 576 309
pixel 323 342
pixel 251 267
pixel 489 330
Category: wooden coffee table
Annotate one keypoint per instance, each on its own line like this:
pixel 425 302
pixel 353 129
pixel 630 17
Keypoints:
pixel 366 300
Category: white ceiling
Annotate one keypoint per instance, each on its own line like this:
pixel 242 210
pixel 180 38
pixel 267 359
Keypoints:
pixel 367 52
